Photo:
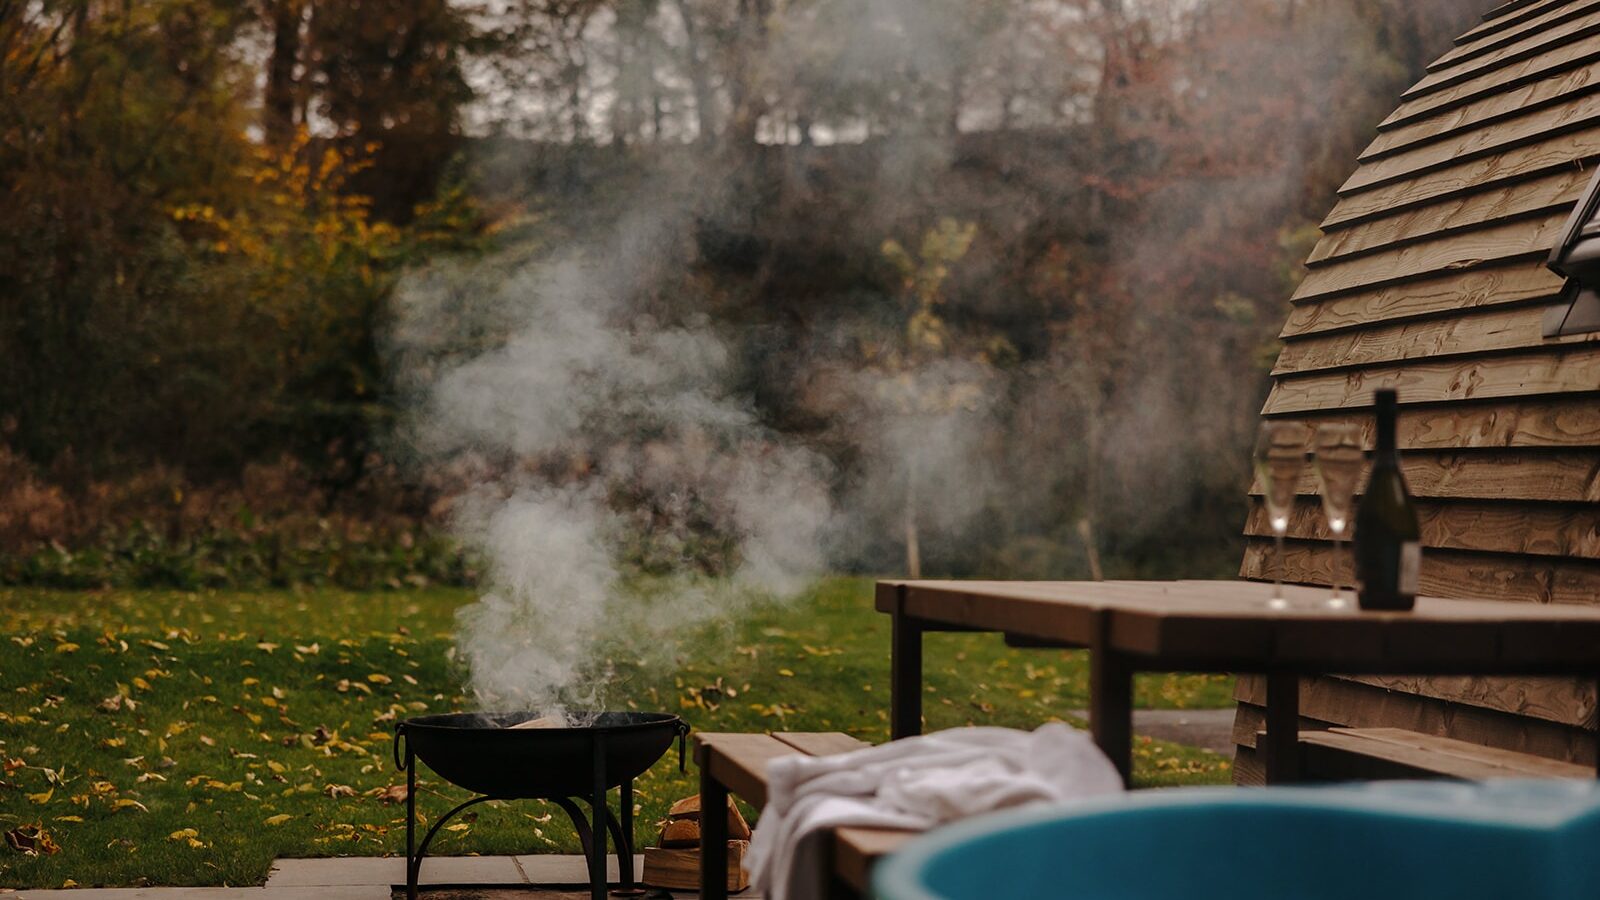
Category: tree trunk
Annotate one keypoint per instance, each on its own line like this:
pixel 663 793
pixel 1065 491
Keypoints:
pixel 279 102
pixel 748 104
pixel 913 546
pixel 705 113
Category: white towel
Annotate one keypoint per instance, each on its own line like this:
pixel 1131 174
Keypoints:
pixel 913 783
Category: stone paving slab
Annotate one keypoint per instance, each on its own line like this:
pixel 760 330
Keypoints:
pixel 551 868
pixel 1208 729
pixel 362 878
pixel 392 870
pixel 319 892
pixel 544 868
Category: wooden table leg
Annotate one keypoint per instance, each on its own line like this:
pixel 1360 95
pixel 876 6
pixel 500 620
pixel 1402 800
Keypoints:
pixel 905 677
pixel 1281 753
pixel 1111 707
pixel 713 832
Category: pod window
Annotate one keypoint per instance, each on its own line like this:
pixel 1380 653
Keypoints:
pixel 1577 258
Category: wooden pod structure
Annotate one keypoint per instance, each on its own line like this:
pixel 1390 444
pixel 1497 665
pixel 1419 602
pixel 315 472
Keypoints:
pixel 1435 276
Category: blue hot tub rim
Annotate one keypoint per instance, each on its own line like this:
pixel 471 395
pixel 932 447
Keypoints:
pixel 1542 807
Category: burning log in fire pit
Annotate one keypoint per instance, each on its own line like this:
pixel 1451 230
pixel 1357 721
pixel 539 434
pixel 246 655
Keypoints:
pixel 521 756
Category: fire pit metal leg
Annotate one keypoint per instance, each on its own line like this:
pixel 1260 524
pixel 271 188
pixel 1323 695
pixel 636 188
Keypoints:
pixel 602 815
pixel 414 863
pixel 580 822
pixel 625 839
pixel 411 820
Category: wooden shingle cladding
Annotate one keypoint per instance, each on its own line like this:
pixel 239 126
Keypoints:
pixel 1430 278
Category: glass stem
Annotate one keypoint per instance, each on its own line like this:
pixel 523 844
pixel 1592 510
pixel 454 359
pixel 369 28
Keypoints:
pixel 1338 557
pixel 1277 567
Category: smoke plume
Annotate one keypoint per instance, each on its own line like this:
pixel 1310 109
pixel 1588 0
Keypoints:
pixel 597 450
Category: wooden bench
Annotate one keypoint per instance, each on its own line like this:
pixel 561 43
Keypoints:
pixel 737 764
pixel 1372 753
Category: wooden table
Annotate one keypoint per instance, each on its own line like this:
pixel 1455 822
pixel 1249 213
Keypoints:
pixel 1225 626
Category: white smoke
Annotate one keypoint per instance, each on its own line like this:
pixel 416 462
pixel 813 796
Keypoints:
pixel 594 437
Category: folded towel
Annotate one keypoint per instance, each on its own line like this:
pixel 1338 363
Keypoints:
pixel 913 783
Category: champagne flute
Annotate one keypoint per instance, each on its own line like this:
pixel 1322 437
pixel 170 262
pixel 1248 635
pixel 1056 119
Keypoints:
pixel 1279 456
pixel 1337 457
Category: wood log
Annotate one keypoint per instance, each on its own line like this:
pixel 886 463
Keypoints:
pixel 542 722
pixel 679 869
pixel 688 810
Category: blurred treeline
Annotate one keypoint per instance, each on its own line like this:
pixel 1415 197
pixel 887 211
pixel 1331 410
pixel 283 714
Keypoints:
pixel 205 206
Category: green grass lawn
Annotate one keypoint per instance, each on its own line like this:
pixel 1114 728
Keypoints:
pixel 189 739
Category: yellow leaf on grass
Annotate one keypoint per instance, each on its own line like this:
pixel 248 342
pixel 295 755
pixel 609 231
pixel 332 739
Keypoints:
pixel 267 646
pixel 43 798
pixel 276 766
pixel 278 819
pixel 459 826
pixel 183 834
pixel 66 647
pixel 376 678
pixel 69 818
pixel 125 803
pixel 786 673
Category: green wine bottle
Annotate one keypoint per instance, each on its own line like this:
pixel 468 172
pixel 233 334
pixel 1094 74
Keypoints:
pixel 1388 544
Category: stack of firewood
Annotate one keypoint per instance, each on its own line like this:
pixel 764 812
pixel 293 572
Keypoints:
pixel 675 863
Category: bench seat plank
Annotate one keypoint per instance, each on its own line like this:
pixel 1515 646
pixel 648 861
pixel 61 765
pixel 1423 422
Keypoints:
pixel 821 743
pixel 1365 752
pixel 855 850
pixel 739 761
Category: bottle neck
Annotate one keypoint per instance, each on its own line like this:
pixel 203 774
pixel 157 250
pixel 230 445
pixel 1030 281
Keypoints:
pixel 1386 434
pixel 1385 450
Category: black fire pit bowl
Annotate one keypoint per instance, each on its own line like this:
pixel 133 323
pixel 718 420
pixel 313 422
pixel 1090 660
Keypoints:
pixel 478 752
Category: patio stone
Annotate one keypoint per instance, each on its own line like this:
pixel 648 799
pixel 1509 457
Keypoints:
pixel 1208 729
pixel 373 878
pixel 550 868
pixel 318 892
pixel 390 870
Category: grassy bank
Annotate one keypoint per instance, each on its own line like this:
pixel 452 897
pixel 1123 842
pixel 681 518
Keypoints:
pixel 190 738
